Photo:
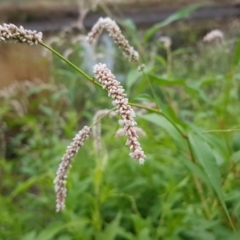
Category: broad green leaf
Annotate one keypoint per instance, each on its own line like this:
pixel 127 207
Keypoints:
pixel 206 158
pixel 166 125
pixel 180 14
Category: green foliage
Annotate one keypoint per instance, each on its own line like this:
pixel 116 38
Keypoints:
pixel 188 188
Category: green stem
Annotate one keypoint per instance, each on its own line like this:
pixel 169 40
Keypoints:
pixel 100 118
pixel 71 64
pixel 151 88
pixel 221 130
pixel 169 60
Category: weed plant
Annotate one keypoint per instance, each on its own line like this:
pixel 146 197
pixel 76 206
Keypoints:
pixel 188 189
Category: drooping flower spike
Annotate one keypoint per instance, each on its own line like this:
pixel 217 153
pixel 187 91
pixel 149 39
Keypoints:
pixel 114 31
pixel 62 173
pixel 12 33
pixel 120 101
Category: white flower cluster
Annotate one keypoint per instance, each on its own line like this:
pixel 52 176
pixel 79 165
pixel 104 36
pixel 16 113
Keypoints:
pixel 114 32
pixel 121 132
pixel 10 32
pixel 116 92
pixel 61 176
pixel 213 35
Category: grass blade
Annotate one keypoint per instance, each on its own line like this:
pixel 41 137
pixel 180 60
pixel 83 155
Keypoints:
pixel 205 157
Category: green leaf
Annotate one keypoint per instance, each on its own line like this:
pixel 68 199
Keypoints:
pixel 144 97
pixel 165 82
pixel 180 14
pixel 236 57
pixel 29 236
pixel 167 126
pixel 27 184
pixel 195 169
pixel 205 157
pixel 132 77
pixel 111 230
pixel 52 230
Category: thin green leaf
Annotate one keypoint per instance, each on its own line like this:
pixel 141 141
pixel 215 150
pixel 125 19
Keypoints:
pixel 52 230
pixel 206 158
pixel 236 57
pixel 180 14
pixel 164 82
pixel 166 125
pixel 27 184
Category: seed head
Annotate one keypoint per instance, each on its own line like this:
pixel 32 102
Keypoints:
pixel 61 176
pixel 114 31
pixel 120 101
pixel 214 35
pixel 12 33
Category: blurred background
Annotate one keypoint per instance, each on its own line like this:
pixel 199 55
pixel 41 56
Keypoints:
pixel 191 52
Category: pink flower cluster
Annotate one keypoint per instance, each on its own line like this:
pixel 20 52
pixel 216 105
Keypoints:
pixel 62 173
pixel 10 32
pixel 114 32
pixel 116 92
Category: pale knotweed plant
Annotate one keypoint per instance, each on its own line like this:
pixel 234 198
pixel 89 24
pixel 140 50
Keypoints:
pixel 62 173
pixel 120 101
pixel 12 33
pixel 114 31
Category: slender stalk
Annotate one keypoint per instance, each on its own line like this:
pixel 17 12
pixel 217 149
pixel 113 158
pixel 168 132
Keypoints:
pixel 100 118
pixel 169 60
pixel 151 88
pixel 221 130
pixel 198 183
pixel 91 79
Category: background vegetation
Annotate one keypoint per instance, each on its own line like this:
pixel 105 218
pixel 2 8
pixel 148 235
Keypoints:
pixel 188 188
